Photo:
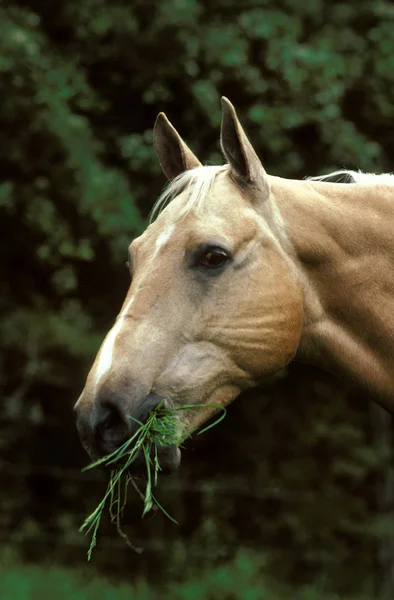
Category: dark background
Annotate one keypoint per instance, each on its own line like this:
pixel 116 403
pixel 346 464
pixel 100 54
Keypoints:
pixel 294 487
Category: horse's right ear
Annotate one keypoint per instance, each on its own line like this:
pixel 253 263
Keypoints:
pixel 174 155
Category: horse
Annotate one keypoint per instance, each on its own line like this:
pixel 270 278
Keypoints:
pixel 239 273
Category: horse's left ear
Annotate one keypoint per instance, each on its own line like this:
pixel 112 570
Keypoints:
pixel 174 155
pixel 236 147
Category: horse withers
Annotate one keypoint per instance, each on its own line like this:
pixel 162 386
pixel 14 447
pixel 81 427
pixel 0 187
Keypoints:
pixel 239 273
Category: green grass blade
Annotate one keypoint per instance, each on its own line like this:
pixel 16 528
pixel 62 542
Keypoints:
pixel 161 429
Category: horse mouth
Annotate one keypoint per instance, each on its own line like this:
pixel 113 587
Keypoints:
pixel 146 442
pixel 166 459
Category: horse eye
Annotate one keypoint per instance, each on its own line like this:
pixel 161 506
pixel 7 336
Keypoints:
pixel 213 259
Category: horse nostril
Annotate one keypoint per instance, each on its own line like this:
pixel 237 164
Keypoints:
pixel 111 430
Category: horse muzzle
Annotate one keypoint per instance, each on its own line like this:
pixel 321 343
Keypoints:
pixel 113 420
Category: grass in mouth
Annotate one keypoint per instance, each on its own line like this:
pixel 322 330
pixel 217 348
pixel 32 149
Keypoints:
pixel 160 430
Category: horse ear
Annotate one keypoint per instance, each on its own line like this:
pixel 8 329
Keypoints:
pixel 174 155
pixel 236 147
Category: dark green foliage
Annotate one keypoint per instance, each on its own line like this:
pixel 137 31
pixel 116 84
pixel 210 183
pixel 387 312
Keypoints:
pixel 296 471
pixel 240 579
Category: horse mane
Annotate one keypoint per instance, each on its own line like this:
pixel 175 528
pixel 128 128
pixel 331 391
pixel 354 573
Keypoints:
pixel 348 176
pixel 197 181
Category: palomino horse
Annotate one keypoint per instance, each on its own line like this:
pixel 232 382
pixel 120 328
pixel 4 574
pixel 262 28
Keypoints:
pixel 239 273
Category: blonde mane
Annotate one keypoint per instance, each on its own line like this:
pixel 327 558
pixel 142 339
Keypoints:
pixel 348 176
pixel 196 182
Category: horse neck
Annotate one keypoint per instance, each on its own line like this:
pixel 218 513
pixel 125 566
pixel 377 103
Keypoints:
pixel 343 250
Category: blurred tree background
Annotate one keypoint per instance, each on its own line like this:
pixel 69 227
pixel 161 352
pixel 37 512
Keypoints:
pixel 297 478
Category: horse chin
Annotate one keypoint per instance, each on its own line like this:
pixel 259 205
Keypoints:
pixel 169 459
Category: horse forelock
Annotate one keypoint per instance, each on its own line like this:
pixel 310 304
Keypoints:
pixel 196 182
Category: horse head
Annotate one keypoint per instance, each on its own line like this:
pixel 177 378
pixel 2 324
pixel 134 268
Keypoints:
pixel 214 304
